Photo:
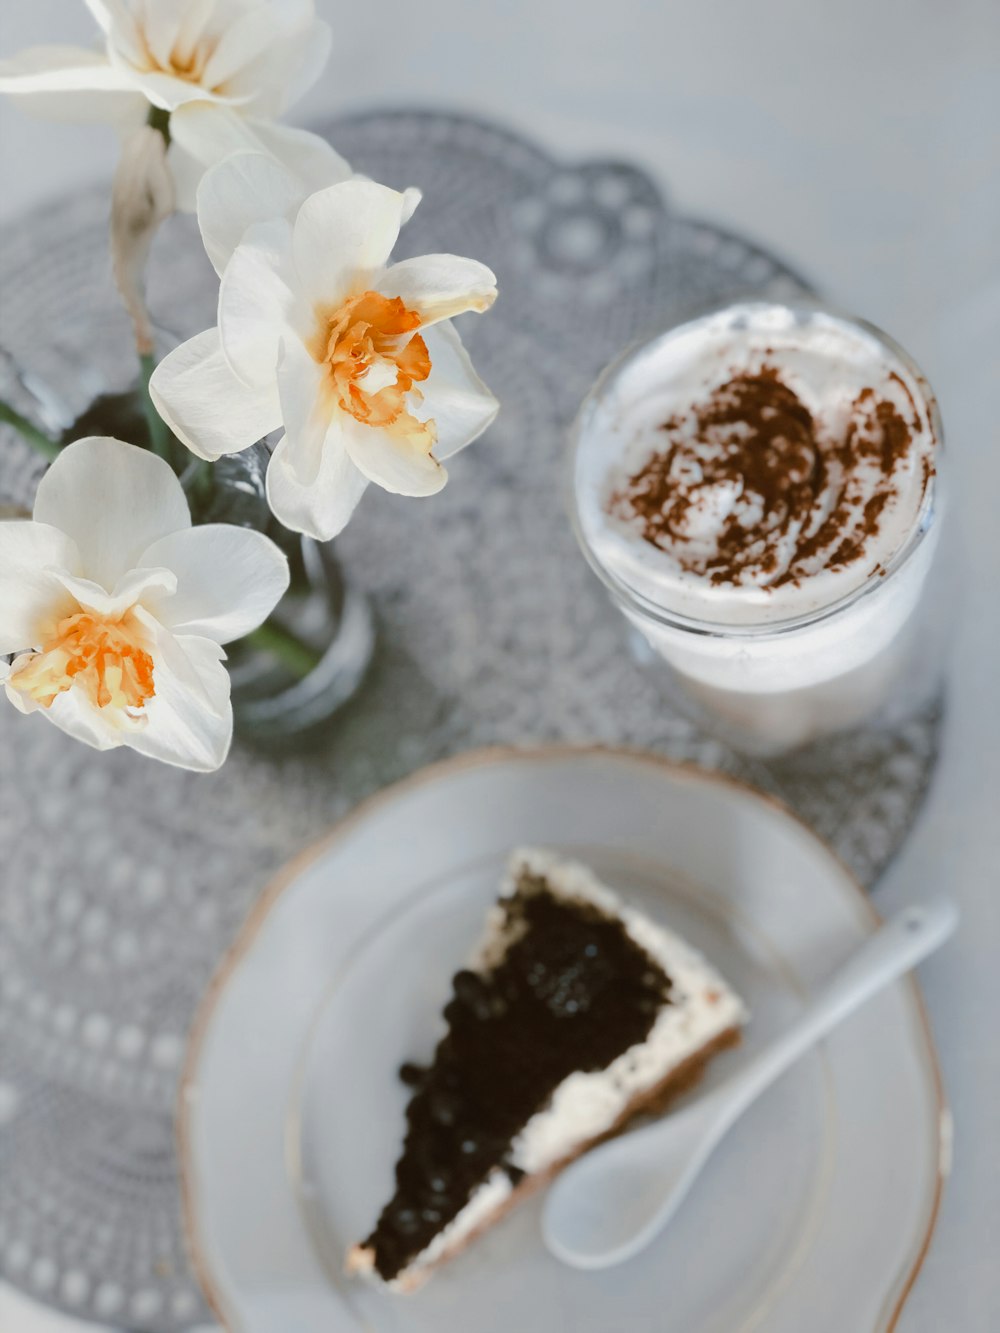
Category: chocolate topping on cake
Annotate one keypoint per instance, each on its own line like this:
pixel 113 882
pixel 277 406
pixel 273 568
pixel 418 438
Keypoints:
pixel 572 991
pixel 749 490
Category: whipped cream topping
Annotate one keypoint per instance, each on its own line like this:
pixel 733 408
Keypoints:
pixel 756 464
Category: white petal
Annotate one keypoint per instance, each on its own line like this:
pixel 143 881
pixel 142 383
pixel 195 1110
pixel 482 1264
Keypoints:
pixel 257 306
pixel 205 134
pixel 313 487
pixel 392 461
pixel 69 83
pixel 343 237
pixel 440 286
pixel 122 111
pixel 302 63
pixel 126 44
pixel 322 507
pixel 172 29
pixel 306 407
pixel 377 377
pixel 205 405
pixel 102 13
pixel 309 155
pixel 131 588
pixel 246 188
pixel 113 500
pixel 168 92
pixel 73 713
pixel 250 35
pixel 189 26
pixel 189 718
pixel 146 29
pixel 411 200
pixel 290 64
pixel 62 69
pixel 24 703
pixel 187 172
pixel 31 596
pixel 229 580
pixel 454 396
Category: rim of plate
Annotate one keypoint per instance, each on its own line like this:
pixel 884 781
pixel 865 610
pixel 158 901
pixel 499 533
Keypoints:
pixel 494 754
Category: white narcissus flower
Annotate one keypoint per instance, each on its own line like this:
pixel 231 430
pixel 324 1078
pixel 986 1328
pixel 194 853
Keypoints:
pixel 319 334
pixel 221 69
pixel 117 606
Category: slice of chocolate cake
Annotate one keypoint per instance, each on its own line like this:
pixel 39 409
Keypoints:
pixel 575 1014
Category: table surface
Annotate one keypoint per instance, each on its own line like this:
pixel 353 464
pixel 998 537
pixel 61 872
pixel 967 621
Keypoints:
pixel 864 144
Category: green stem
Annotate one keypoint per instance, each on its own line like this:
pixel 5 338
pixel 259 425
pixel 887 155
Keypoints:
pixel 197 481
pixel 159 435
pixel 45 445
pixel 285 646
pixel 160 120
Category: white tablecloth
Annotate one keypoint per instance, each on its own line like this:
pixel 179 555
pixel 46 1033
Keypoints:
pixel 863 142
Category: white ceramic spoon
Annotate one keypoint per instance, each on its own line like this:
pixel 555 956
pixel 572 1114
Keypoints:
pixel 610 1204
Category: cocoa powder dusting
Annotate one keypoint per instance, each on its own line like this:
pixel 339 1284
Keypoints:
pixel 747 488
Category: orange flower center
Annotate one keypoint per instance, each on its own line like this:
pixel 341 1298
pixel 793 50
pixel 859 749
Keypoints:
pixel 187 67
pixel 103 657
pixel 374 357
pixel 185 61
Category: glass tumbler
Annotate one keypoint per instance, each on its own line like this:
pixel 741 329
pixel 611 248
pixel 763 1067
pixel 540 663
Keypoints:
pixel 767 685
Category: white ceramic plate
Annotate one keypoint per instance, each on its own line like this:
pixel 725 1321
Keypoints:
pixel 815 1212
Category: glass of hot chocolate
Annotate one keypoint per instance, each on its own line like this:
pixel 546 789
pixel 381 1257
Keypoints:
pixel 759 488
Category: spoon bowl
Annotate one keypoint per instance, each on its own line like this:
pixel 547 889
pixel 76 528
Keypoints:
pixel 617 1204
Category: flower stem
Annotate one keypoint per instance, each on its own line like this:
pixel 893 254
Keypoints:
pixel 160 120
pixel 159 435
pixel 45 445
pixel 197 481
pixel 281 643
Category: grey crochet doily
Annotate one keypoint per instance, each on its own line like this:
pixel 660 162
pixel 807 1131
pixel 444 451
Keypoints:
pixel 124 881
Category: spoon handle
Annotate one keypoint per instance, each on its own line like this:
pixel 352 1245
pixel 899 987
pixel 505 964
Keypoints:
pixel 897 946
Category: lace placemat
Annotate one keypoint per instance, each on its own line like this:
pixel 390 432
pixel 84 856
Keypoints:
pixel 125 881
